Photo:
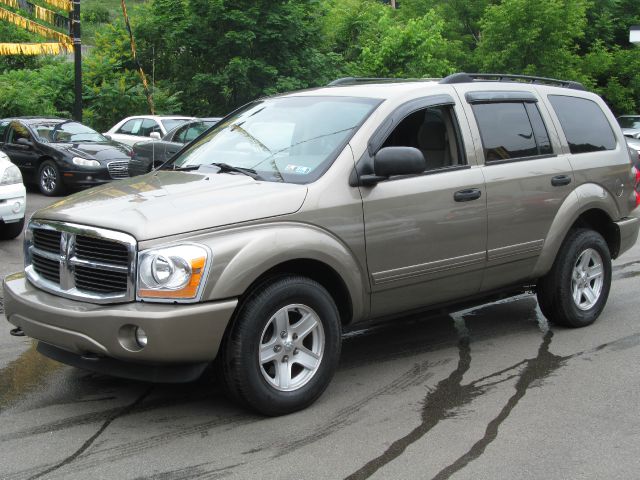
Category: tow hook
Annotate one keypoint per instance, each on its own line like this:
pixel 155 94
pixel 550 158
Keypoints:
pixel 17 332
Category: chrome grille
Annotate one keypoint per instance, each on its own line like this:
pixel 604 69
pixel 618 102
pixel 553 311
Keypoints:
pixel 47 268
pixel 47 240
pixel 80 262
pixel 89 248
pixel 119 169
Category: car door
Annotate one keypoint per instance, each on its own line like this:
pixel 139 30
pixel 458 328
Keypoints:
pixel 24 156
pixel 426 234
pixel 527 178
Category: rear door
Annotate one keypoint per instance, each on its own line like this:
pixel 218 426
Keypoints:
pixel 527 178
pixel 426 234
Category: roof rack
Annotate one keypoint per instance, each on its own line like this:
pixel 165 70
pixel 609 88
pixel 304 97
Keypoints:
pixel 502 77
pixel 356 80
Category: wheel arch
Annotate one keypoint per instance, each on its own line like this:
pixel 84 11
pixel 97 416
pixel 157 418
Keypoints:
pixel 589 206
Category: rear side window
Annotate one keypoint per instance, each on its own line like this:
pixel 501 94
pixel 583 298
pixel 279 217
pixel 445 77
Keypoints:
pixel 584 124
pixel 3 129
pixel 511 130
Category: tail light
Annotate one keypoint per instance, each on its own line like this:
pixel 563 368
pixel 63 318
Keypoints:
pixel 635 173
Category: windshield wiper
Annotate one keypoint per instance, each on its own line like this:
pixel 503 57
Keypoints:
pixel 226 168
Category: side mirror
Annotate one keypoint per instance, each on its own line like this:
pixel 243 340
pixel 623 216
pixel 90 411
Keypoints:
pixel 24 142
pixel 107 136
pixel 390 161
pixel 155 135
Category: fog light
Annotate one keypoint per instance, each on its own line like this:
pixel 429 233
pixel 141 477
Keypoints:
pixel 89 177
pixel 141 337
pixel 17 206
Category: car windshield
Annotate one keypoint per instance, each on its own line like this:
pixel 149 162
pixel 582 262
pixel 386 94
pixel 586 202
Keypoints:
pixel 67 132
pixel 171 123
pixel 629 122
pixel 290 139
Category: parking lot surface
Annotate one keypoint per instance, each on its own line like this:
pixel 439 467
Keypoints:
pixel 491 392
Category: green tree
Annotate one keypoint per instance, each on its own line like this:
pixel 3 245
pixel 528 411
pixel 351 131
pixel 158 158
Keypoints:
pixel 223 53
pixel 521 36
pixel 415 48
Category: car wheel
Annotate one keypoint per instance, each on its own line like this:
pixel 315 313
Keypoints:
pixel 49 179
pixel 576 289
pixel 283 347
pixel 11 230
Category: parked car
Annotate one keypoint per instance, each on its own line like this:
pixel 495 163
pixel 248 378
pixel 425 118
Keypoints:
pixel 630 125
pixel 13 199
pixel 149 155
pixel 59 154
pixel 141 128
pixel 308 212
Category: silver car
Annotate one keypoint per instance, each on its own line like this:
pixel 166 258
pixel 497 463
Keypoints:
pixel 304 213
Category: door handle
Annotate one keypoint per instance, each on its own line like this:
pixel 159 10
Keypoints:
pixel 560 180
pixel 467 195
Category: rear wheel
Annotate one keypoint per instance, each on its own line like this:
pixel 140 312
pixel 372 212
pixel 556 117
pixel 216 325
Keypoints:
pixel 49 179
pixel 576 289
pixel 283 348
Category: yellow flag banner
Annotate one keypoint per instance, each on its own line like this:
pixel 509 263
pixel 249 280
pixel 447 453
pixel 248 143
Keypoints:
pixel 32 48
pixel 65 5
pixel 37 11
pixel 35 27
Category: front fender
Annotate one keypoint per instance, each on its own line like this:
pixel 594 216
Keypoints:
pixel 242 255
pixel 588 196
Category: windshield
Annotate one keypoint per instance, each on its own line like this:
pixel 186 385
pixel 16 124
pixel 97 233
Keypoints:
pixel 67 132
pixel 629 122
pixel 171 123
pixel 291 139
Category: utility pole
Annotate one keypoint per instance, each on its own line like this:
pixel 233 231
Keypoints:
pixel 74 18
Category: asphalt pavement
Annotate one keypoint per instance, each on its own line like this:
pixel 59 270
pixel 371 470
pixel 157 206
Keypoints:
pixel 492 392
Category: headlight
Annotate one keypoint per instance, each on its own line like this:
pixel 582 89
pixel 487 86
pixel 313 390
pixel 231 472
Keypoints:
pixel 172 273
pixel 11 176
pixel 83 162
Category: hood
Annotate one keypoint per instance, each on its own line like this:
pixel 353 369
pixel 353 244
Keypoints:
pixel 102 152
pixel 166 203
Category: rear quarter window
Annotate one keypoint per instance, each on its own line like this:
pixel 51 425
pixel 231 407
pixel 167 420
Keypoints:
pixel 584 123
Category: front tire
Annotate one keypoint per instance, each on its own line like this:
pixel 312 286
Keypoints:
pixel 11 230
pixel 49 179
pixel 575 291
pixel 283 347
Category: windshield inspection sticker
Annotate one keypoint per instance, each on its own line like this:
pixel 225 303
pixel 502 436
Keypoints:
pixel 297 169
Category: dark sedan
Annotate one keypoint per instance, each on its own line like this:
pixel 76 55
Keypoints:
pixel 60 154
pixel 149 155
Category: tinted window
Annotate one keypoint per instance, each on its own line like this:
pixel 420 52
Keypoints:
pixel 506 131
pixel 539 130
pixel 132 127
pixel 629 122
pixel 171 123
pixel 149 126
pixel 17 131
pixel 3 129
pixel 584 124
pixel 194 130
pixel 178 135
pixel 433 131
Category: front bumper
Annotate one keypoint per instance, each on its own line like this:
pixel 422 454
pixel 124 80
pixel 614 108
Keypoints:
pixel 628 232
pixel 86 178
pixel 13 202
pixel 177 334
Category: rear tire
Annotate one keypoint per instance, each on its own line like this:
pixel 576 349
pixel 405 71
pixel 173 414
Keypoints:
pixel 9 231
pixel 575 291
pixel 283 347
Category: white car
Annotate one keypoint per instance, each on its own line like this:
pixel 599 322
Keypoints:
pixel 141 128
pixel 13 199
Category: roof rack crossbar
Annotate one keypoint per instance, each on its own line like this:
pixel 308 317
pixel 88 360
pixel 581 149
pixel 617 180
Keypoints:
pixel 503 77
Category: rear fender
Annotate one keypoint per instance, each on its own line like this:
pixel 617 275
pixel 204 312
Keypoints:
pixel 586 197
